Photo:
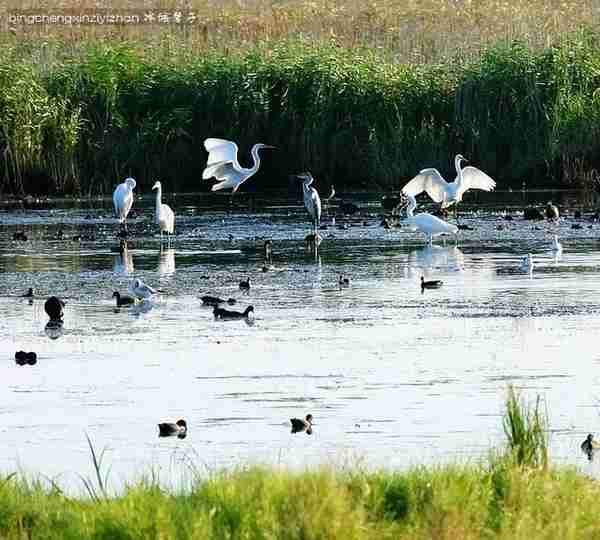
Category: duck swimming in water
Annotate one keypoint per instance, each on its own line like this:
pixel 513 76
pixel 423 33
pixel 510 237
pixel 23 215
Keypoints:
pixel 168 429
pixel 54 308
pixel 123 300
pixel 245 285
pixel 434 284
pixel 28 294
pixel 299 424
pixel 225 314
pixel 343 281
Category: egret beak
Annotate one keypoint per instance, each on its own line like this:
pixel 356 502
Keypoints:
pixel 269 146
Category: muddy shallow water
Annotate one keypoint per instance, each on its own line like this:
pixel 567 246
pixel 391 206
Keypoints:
pixel 392 376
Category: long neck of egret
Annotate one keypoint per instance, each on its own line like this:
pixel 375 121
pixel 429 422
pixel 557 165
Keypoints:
pixel 459 175
pixel 256 158
pixel 158 199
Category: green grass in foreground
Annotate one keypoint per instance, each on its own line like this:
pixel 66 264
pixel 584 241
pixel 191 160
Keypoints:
pixel 513 495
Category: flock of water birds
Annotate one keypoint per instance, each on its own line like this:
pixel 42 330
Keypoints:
pixel 223 165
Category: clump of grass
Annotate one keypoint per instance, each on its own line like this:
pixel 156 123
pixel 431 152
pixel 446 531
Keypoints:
pixel 526 429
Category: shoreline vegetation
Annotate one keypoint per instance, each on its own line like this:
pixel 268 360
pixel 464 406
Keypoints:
pixel 514 493
pixel 83 107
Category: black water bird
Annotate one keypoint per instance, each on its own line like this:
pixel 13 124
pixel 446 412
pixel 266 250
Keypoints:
pixel 300 424
pixel 20 236
pixel 589 445
pixel 227 315
pixel 22 358
pixel 343 281
pixel 434 284
pixel 28 294
pixel 123 300
pixel 54 308
pixel 168 429
pixel 245 285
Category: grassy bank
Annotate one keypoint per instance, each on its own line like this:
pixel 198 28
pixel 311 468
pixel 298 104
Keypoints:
pixel 76 118
pixel 500 500
pixel 513 494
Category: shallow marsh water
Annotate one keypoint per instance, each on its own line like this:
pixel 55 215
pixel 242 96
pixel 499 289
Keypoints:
pixel 392 376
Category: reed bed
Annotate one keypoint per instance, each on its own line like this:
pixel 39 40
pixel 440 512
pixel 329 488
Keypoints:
pixel 82 107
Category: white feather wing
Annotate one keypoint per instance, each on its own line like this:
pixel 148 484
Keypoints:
pixel 220 150
pixel 429 180
pixel 473 178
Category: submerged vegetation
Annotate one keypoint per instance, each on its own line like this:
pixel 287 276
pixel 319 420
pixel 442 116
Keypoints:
pixel 514 494
pixel 389 93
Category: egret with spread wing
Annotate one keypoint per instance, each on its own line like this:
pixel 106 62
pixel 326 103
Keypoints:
pixel 165 218
pixel 426 223
pixel 440 191
pixel 123 200
pixel 312 201
pixel 223 164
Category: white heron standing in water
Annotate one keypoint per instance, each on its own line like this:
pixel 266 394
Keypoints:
pixel 223 164
pixel 440 191
pixel 165 217
pixel 123 200
pixel 426 223
pixel 312 201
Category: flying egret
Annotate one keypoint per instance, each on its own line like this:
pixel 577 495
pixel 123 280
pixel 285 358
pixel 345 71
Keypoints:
pixel 426 223
pixel 312 201
pixel 440 191
pixel 140 289
pixel 165 218
pixel 223 164
pixel 527 264
pixel 123 200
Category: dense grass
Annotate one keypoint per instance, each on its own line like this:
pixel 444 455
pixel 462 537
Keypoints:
pixel 499 501
pixel 83 118
pixel 513 494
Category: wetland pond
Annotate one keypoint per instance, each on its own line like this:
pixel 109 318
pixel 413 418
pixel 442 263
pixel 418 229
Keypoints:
pixel 393 377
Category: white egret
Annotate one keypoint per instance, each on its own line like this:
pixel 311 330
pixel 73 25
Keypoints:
pixel 426 223
pixel 440 191
pixel 527 264
pixel 223 163
pixel 123 200
pixel 557 246
pixel 312 201
pixel 140 289
pixel 165 218
pixel 331 194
